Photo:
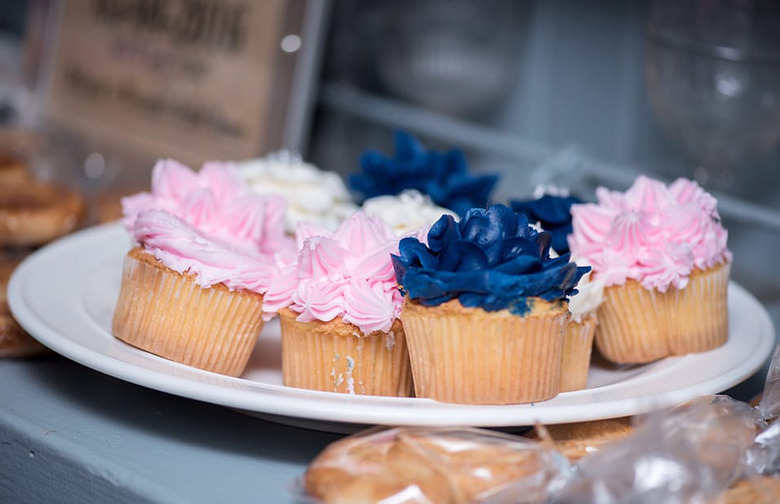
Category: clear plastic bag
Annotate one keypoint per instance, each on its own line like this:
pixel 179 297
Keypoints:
pixel 694 453
pixel 422 465
pixel 687 454
pixel 769 407
pixel 764 455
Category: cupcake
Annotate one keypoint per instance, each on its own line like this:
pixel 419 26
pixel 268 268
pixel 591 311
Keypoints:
pixel 485 309
pixel 580 332
pixel 338 305
pixel 407 212
pixel 312 195
pixel 550 210
pixel 661 253
pixel 441 175
pixel 205 253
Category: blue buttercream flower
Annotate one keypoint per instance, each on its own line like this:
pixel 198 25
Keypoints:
pixel 491 259
pixel 554 215
pixel 441 175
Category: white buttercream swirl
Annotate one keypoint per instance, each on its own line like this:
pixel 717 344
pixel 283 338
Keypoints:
pixel 590 295
pixel 312 195
pixel 408 211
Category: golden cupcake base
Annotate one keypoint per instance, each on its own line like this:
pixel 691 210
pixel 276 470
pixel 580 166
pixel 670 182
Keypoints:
pixel 336 356
pixel 638 325
pixel 577 347
pixel 168 314
pixel 468 355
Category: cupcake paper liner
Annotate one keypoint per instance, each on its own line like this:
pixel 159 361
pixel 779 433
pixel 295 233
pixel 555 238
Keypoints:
pixel 577 347
pixel 468 355
pixel 168 314
pixel 638 325
pixel 336 357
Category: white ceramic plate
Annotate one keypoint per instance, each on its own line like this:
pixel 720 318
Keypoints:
pixel 64 295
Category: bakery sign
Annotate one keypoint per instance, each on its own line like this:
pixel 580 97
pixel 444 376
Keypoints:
pixel 192 79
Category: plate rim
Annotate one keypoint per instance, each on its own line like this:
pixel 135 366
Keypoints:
pixel 301 403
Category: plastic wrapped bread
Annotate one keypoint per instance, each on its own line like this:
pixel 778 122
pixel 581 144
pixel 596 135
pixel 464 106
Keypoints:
pixel 419 465
pixel 692 453
pixel 713 450
pixel 764 456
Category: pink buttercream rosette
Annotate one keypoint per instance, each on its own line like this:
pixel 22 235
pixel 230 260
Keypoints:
pixel 209 225
pixel 652 233
pixel 345 273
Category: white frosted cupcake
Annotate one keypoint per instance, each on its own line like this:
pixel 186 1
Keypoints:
pixel 312 195
pixel 580 330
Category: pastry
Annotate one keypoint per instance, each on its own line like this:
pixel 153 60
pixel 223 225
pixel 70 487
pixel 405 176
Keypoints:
pixel 441 175
pixel 14 341
pixel 35 213
pixel 338 306
pixel 754 490
pixel 13 172
pixel 206 250
pixel 661 253
pixel 485 309
pixel 315 196
pixel 578 440
pixel 108 208
pixel 445 466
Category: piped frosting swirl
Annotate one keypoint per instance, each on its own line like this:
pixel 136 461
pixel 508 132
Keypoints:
pixel 312 195
pixel 441 175
pixel 344 273
pixel 553 213
pixel 408 211
pixel 491 259
pixel 207 225
pixel 652 233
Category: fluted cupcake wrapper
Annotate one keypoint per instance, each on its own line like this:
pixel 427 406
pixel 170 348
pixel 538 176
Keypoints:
pixel 168 314
pixel 639 325
pixel 478 357
pixel 577 347
pixel 336 357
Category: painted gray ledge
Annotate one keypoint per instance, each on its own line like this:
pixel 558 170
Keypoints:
pixel 70 434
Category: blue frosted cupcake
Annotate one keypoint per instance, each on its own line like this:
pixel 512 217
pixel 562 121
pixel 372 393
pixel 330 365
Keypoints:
pixel 486 309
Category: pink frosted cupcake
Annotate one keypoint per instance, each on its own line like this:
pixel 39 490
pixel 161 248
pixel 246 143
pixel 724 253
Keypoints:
pixel 339 305
pixel 206 251
pixel 661 252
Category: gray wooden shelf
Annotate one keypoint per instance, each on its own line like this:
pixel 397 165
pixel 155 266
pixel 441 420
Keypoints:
pixel 70 434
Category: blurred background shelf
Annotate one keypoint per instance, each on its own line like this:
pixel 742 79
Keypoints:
pixel 548 164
